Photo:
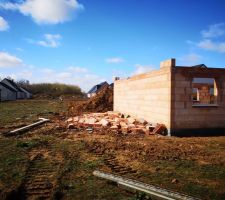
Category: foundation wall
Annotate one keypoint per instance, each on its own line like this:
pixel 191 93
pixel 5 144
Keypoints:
pixel 145 96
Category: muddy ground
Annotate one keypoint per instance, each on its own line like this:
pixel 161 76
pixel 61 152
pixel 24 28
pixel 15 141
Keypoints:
pixel 51 162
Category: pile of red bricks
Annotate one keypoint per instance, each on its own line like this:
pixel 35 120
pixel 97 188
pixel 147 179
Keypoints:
pixel 113 121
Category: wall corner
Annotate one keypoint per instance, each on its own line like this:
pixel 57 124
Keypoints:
pixel 168 63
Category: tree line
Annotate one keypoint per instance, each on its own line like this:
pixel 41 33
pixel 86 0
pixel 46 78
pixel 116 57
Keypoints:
pixel 51 89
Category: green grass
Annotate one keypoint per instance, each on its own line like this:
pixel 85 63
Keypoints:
pixel 197 180
pixel 14 112
pixel 13 164
pixel 75 179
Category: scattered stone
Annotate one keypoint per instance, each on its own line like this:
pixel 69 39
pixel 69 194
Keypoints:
pixel 104 122
pixel 142 121
pixel 69 120
pixel 91 120
pixel 160 129
pixel 89 130
pixel 131 126
pixel 174 181
pixel 71 126
pixel 97 124
pixel 122 124
pixel 125 129
pixel 116 122
pixel 113 113
pixel 82 120
pixel 76 119
pixel 131 120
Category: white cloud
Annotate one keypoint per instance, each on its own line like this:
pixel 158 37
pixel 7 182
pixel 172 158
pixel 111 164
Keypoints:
pixel 141 69
pixel 8 60
pixel 64 75
pixel 85 80
pixel 47 71
pixel 78 69
pixel 4 26
pixel 190 59
pixel 46 11
pixel 114 60
pixel 50 40
pixel 19 49
pixel 214 30
pixel 211 39
pixel 49 75
pixel 212 46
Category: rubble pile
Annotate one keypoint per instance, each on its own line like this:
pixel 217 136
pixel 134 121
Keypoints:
pixel 115 122
pixel 102 102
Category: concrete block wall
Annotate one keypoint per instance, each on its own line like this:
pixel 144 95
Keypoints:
pixel 165 96
pixel 146 96
pixel 184 114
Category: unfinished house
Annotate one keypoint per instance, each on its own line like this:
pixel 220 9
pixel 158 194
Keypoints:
pixel 188 100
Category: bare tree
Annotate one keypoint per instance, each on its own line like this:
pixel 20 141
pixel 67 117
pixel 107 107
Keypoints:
pixel 23 83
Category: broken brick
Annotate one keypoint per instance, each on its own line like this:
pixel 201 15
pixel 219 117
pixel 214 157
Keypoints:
pixel 131 120
pixel 104 122
pixel 71 126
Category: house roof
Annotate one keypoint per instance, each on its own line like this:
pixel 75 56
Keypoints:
pixel 196 66
pixel 8 87
pixel 200 66
pixel 96 87
pixel 14 85
pixel 25 90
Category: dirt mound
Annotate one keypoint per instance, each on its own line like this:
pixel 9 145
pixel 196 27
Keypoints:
pixel 102 102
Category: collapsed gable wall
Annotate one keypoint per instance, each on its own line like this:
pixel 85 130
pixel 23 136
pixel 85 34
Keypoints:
pixel 146 96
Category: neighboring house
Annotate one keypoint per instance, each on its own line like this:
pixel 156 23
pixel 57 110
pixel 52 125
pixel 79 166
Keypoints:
pixel 28 94
pixel 112 85
pixel 188 100
pixel 7 93
pixel 95 89
pixel 20 93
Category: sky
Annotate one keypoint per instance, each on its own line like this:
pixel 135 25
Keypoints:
pixel 84 42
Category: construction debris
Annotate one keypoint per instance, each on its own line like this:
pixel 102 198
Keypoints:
pixel 25 128
pixel 153 191
pixel 115 122
pixel 102 102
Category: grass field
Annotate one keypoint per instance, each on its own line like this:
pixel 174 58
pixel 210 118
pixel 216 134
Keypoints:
pixel 15 112
pixel 60 163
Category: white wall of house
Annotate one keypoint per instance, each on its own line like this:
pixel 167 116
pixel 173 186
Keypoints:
pixel 20 95
pixel 6 94
pixel 28 95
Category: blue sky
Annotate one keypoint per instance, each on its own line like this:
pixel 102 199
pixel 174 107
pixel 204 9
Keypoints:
pixel 84 42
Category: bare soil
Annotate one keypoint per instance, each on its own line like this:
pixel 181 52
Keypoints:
pixel 51 161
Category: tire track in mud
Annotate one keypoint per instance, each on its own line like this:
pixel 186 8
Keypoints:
pixel 115 165
pixel 41 177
